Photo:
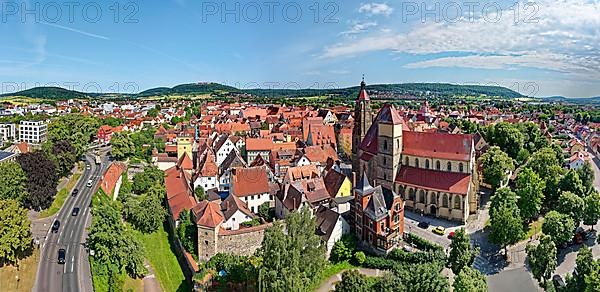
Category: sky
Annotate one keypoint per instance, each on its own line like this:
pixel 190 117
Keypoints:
pixel 541 48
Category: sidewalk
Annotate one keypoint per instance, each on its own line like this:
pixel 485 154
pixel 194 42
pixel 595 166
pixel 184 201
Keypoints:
pixel 150 282
pixel 329 285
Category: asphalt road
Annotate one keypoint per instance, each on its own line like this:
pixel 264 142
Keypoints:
pixel 74 275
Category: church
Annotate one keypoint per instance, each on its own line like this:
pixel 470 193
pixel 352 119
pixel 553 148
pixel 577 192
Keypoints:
pixel 433 173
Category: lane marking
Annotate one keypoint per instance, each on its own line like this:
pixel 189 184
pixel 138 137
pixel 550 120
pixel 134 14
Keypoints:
pixel 59 236
pixel 72 263
pixel 71 236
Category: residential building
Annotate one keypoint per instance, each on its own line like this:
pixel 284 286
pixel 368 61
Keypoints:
pixel 8 132
pixel 33 132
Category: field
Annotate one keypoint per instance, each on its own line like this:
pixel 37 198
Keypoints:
pixel 22 279
pixel 20 100
pixel 163 260
pixel 175 97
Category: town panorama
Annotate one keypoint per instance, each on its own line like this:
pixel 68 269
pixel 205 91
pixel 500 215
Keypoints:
pixel 293 146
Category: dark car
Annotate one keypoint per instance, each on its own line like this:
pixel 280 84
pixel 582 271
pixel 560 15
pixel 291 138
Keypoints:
pixel 558 281
pixel 74 192
pixel 55 226
pixel 423 225
pixel 61 256
pixel 75 211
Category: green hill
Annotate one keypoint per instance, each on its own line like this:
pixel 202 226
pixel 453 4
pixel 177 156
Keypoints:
pixel 191 88
pixel 49 93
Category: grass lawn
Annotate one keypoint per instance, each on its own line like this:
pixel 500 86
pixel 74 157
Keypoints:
pixel 26 274
pixel 60 198
pixel 163 260
pixel 133 284
pixel 330 270
pixel 534 228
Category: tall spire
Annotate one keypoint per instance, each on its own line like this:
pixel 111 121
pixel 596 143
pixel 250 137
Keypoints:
pixel 362 95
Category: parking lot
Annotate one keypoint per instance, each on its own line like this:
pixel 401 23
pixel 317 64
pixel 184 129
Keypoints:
pixel 412 219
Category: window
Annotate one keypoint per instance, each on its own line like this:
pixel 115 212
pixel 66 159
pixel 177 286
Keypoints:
pixel 416 162
pixel 457 203
pixel 460 167
pixel 396 218
pixel 406 161
pixel 449 166
pixel 370 224
pixel 421 196
pixel 445 201
pixel 397 207
pixel 385 145
pixel 411 195
pixel 384 160
pixel 437 165
pixel 427 164
pixel 382 226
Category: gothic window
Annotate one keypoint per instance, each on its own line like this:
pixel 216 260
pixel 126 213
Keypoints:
pixel 421 196
pixel 384 160
pixel 460 167
pixel 417 162
pixel 457 203
pixel 427 163
pixel 411 195
pixel 445 201
pixel 437 165
pixel 449 166
pixel 384 176
pixel 384 144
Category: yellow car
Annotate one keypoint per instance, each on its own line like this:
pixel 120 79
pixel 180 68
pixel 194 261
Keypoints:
pixel 439 230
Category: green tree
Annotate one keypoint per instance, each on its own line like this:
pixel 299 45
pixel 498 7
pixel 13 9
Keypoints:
pixel 340 252
pixel 423 278
pixel 542 259
pixel 145 213
pixel 352 281
pixel 14 182
pixel 144 181
pixel 508 138
pixel 469 280
pixel 461 254
pixel 572 205
pixel 559 227
pixel 200 194
pixel 496 166
pixel 571 182
pixel 153 113
pixel 584 266
pixel 292 259
pixel 122 146
pixel 76 128
pixel 360 257
pixel 591 215
pixel 187 231
pixel 530 193
pixel 506 225
pixel 15 234
pixel 587 176
pixel 545 163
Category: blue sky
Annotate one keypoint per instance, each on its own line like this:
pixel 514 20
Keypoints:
pixel 548 48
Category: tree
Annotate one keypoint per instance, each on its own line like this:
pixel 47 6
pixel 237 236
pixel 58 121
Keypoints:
pixel 591 215
pixel 360 257
pixel 153 113
pixel 122 146
pixel 496 166
pixel 506 225
pixel 584 266
pixel 559 227
pixel 461 254
pixel 77 129
pixel 64 156
pixel 545 163
pixel 508 138
pixel 542 259
pixel 200 194
pixel 572 205
pixel 530 193
pixel 41 179
pixel 469 280
pixel 186 231
pixel 145 213
pixel 15 234
pixel 340 252
pixel 352 281
pixel 14 181
pixel 292 259
pixel 423 278
pixel 587 176
pixel 570 182
pixel 144 181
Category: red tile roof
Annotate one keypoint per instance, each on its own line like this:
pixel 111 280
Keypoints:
pixel 208 214
pixel 257 144
pixel 179 191
pixel 250 181
pixel 438 145
pixel 185 162
pixel 111 176
pixel 452 182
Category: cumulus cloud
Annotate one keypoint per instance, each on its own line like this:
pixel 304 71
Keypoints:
pixel 359 27
pixel 376 9
pixel 564 37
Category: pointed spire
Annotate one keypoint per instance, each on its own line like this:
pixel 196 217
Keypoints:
pixel 362 95
pixel 364 183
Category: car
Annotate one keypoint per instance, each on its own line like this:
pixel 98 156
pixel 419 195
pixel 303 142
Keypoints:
pixel 558 281
pixel 87 166
pixel 55 226
pixel 451 235
pixel 423 225
pixel 439 230
pixel 75 211
pixel 74 192
pixel 62 254
pixel 89 183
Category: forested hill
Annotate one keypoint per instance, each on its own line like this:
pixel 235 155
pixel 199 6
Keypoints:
pixel 377 91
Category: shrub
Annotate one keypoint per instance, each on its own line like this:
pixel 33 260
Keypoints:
pixel 422 243
pixel 360 257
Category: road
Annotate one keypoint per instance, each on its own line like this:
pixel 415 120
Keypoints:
pixel 75 274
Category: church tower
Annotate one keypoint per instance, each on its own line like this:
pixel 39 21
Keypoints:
pixel 363 118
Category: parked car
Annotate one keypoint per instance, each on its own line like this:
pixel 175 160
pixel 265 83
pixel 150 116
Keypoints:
pixel 439 230
pixel 451 235
pixel 74 192
pixel 423 225
pixel 87 166
pixel 75 211
pixel 558 281
pixel 89 183
pixel 61 256
pixel 55 226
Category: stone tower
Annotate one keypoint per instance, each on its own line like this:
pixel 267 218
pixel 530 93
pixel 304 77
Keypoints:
pixel 389 144
pixel 363 118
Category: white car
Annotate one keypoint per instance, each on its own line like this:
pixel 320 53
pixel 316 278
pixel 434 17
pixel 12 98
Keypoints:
pixel 89 183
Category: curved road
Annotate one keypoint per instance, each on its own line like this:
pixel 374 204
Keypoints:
pixel 74 275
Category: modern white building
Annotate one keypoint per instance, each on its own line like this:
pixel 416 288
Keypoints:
pixel 7 132
pixel 33 132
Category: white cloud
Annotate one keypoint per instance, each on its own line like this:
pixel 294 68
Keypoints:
pixel 76 30
pixel 564 38
pixel 376 9
pixel 359 27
